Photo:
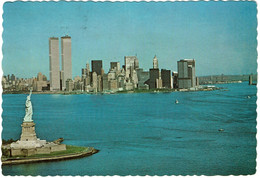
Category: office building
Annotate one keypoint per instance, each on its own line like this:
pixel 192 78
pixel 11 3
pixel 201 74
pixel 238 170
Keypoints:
pixel 96 66
pixel 54 64
pixel 154 74
pixel 69 85
pixel 94 81
pixel 114 66
pixel 197 81
pixel 39 77
pixel 159 83
pixel 39 83
pixel 66 70
pixel 131 65
pixel 186 73
pixel 83 74
pixel 111 76
pixel 113 85
pixel 131 61
pixel 129 86
pixel 143 76
pixel 99 83
pixel 105 82
pixel 175 79
pixel 13 78
pixel 166 78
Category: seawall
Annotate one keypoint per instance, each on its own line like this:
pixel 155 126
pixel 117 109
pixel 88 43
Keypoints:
pixel 49 158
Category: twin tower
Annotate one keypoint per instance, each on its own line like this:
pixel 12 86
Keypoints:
pixel 59 76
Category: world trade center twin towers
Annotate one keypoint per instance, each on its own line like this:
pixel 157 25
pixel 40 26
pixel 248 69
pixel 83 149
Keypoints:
pixel 58 77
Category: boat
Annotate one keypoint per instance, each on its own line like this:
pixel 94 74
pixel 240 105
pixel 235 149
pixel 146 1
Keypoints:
pixel 176 101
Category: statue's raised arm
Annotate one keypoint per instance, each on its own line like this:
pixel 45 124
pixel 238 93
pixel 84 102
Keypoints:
pixel 30 93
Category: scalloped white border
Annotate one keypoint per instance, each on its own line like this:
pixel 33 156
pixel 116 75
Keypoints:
pixel 258 84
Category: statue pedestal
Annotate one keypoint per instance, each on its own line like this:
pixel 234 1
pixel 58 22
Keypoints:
pixel 28 132
pixel 28 143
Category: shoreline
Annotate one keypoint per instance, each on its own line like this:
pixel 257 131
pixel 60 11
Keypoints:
pixel 25 160
pixel 205 88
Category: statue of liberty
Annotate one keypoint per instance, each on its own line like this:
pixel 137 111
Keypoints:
pixel 28 109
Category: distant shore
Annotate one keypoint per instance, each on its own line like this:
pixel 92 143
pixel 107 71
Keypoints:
pixel 72 152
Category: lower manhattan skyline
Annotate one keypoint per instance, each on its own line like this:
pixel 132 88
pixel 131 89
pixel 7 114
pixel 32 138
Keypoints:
pixel 220 36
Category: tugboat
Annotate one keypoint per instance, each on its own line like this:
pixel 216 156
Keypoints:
pixel 176 101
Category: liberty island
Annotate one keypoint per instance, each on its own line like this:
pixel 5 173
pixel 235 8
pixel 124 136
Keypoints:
pixel 29 146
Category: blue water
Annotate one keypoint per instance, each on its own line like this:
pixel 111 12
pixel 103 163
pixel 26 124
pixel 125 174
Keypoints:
pixel 143 134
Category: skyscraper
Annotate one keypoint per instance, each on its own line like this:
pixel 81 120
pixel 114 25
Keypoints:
pixel 96 66
pixel 186 73
pixel 143 76
pixel 105 83
pixel 66 70
pixel 131 64
pixel 87 69
pixel 95 81
pixel 131 61
pixel 114 66
pixel 154 74
pixel 166 78
pixel 54 63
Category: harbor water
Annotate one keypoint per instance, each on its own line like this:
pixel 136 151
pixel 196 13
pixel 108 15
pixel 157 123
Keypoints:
pixel 143 133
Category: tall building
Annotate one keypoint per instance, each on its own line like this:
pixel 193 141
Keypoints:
pixel 94 81
pixel 186 73
pixel 131 65
pixel 99 83
pixel 159 83
pixel 39 76
pixel 66 70
pixel 39 83
pixel 96 66
pixel 155 63
pixel 114 66
pixel 166 78
pixel 154 74
pixel 131 61
pixel 113 85
pixel 69 85
pixel 54 64
pixel 83 74
pixel 197 81
pixel 105 82
pixel 87 69
pixel 175 79
pixel 13 78
pixel 143 76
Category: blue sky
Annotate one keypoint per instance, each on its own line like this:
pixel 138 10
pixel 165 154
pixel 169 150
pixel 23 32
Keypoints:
pixel 220 36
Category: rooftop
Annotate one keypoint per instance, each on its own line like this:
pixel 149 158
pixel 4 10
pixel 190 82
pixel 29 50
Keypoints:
pixel 187 60
pixel 54 38
pixel 66 36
